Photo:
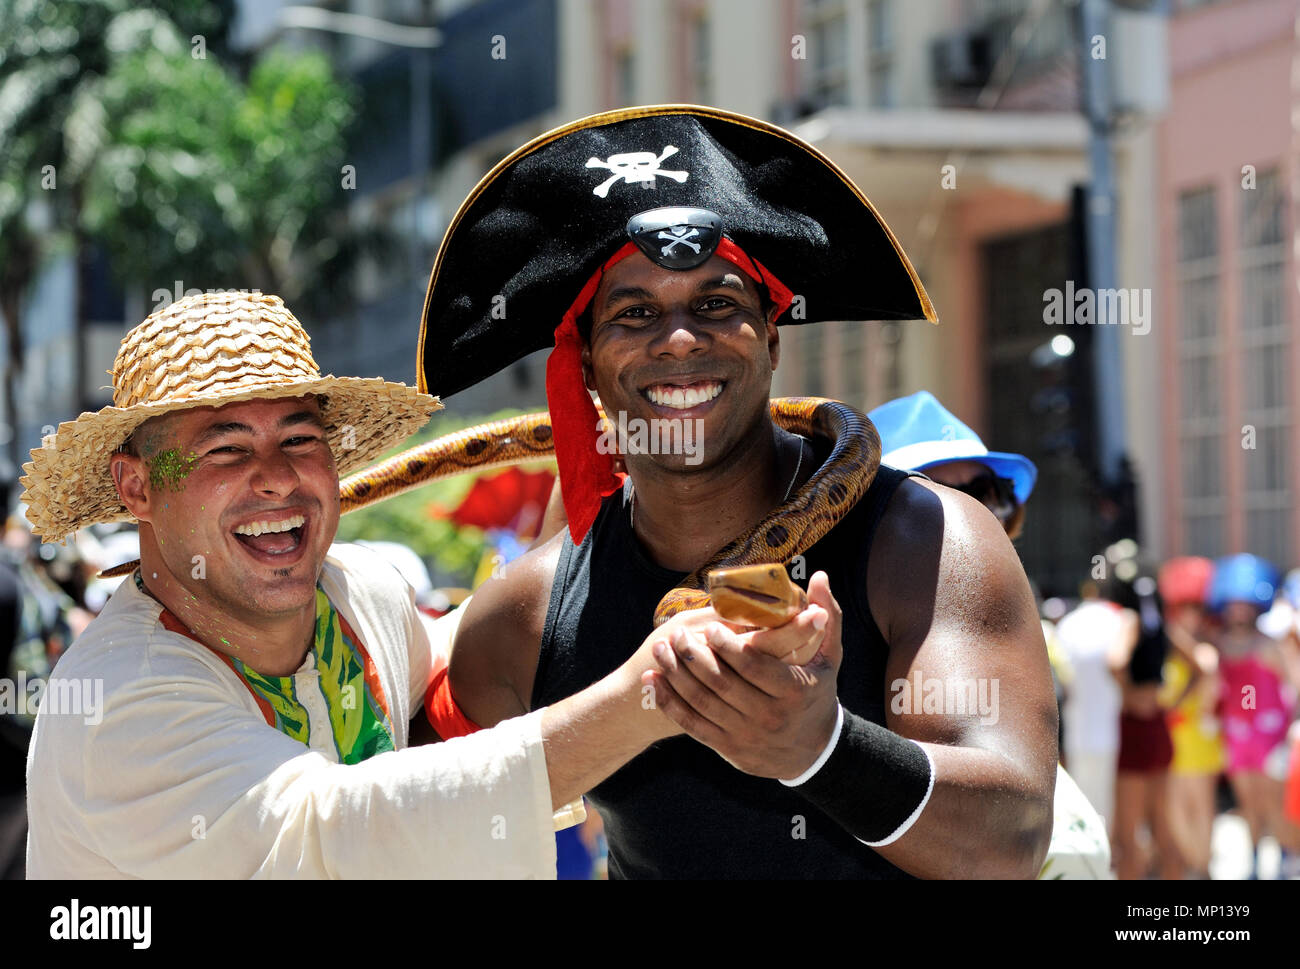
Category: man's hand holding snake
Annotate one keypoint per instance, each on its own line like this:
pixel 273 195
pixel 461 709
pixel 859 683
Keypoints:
pixel 762 715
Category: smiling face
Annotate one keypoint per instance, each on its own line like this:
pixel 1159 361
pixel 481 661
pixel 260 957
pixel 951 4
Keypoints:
pixel 252 488
pixel 686 345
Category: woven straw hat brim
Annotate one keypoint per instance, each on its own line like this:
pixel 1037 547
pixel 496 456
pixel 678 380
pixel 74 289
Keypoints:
pixel 69 485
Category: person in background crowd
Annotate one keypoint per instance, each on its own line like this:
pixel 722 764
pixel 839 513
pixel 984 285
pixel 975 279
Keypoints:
pixel 918 433
pixel 1282 624
pixel 1291 801
pixel 1190 693
pixel 1145 747
pixel 1255 708
pixel 1289 644
pixel 1087 634
pixel 13 738
pixel 38 620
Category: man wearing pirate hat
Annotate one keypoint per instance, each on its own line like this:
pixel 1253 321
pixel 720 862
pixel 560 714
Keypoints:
pixel 658 249
pixel 243 700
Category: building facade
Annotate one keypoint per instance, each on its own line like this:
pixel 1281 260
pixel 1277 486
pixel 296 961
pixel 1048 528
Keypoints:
pixel 1229 347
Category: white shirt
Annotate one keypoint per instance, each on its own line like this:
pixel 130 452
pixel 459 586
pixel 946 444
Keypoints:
pixel 177 774
pixel 1093 704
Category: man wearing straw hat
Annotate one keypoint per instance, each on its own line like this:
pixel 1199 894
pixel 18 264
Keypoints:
pixel 241 706
pixel 658 249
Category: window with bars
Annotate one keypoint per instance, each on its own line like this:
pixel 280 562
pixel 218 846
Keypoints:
pixel 1198 359
pixel 1265 345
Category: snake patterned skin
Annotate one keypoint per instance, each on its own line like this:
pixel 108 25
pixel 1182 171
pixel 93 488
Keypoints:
pixel 811 512
pixel 787 531
pixel 508 441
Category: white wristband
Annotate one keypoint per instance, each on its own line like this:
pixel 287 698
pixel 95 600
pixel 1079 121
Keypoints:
pixel 825 755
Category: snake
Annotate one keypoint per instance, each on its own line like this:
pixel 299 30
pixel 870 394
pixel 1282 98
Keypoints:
pixel 477 448
pixel 787 531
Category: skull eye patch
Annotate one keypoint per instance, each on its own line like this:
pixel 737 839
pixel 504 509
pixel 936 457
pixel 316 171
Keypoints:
pixel 676 238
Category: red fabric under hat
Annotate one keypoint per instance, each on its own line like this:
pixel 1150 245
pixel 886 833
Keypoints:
pixel 586 475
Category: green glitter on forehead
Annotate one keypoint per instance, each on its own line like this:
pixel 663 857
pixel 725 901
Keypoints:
pixel 167 469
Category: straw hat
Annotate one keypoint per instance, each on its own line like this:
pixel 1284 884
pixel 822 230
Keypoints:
pixel 207 351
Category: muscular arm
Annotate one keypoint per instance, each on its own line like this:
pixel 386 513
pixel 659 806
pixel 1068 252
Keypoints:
pixel 494 657
pixel 952 600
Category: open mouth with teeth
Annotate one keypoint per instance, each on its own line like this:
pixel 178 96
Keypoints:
pixel 272 536
pixel 683 396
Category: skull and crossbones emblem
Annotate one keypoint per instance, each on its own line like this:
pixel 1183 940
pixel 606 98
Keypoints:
pixel 678 235
pixel 633 167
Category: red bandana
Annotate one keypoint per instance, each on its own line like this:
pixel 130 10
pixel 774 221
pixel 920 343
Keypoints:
pixel 586 475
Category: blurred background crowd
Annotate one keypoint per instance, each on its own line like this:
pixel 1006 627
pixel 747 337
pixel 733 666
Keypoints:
pixel 1177 690
pixel 1023 152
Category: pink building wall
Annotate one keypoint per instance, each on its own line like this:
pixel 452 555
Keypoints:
pixel 1231 102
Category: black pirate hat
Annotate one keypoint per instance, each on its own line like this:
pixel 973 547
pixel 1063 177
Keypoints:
pixel 677 182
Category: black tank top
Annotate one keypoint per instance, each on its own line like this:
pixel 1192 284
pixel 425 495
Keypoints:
pixel 679 810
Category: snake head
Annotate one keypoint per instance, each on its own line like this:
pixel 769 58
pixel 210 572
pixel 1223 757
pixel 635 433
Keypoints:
pixel 756 595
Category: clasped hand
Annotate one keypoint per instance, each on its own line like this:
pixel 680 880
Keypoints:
pixel 724 687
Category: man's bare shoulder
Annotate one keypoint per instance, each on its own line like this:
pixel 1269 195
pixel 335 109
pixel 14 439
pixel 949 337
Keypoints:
pixel 494 657
pixel 937 552
pixel 914 514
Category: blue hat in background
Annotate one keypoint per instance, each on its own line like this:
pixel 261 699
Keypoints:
pixel 1242 578
pixel 918 432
